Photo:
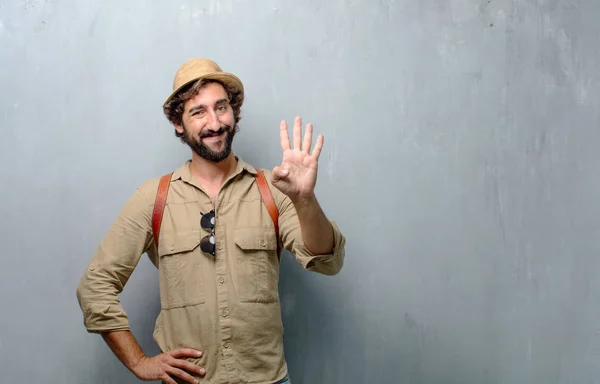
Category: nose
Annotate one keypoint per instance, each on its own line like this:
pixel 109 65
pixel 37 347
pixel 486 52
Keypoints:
pixel 213 122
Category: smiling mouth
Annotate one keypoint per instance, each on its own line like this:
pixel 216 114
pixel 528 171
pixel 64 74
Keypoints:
pixel 214 137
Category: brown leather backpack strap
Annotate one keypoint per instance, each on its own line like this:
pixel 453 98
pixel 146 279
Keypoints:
pixel 159 205
pixel 267 198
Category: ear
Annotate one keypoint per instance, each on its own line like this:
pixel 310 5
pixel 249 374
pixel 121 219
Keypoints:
pixel 178 128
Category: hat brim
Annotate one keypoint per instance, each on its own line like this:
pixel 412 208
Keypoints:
pixel 229 79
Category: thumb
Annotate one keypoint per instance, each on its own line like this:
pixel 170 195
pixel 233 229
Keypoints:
pixel 279 173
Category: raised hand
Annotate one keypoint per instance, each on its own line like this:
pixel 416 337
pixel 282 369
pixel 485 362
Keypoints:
pixel 297 175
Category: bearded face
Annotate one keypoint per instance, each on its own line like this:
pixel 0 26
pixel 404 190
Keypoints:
pixel 208 124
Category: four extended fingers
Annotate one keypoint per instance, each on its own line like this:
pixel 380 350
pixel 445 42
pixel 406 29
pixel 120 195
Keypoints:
pixel 298 143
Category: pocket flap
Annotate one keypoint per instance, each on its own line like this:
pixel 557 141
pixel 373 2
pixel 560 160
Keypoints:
pixel 177 242
pixel 255 238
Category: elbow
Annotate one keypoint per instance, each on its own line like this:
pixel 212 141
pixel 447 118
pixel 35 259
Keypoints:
pixel 327 270
pixel 83 299
pixel 329 267
pixel 332 271
pixel 336 268
pixel 80 293
pixel 99 303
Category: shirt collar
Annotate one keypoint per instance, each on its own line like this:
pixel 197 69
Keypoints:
pixel 183 172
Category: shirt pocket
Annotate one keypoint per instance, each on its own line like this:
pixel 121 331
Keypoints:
pixel 180 269
pixel 257 264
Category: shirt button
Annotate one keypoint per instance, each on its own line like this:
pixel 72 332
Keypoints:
pixel 92 268
pixel 263 243
pixel 171 248
pixel 226 345
pixel 219 246
pixel 224 313
pixel 221 280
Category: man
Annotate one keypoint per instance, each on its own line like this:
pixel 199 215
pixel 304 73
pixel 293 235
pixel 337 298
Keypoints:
pixel 217 247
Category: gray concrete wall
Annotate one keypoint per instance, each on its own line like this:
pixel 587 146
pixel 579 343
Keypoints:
pixel 461 161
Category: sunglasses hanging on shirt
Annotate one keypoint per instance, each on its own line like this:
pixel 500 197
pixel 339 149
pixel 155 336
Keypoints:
pixel 207 243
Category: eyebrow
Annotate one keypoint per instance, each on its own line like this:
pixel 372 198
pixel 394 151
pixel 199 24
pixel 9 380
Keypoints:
pixel 202 106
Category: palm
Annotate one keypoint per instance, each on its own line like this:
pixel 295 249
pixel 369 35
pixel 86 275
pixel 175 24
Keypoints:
pixel 301 165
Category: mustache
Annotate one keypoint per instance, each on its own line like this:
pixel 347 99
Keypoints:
pixel 210 133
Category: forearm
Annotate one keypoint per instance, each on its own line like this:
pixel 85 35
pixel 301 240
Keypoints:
pixel 125 347
pixel 317 232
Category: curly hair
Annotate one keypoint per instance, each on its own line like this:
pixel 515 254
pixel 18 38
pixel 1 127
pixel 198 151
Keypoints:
pixel 173 110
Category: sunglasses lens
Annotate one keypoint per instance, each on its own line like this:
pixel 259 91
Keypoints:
pixel 207 244
pixel 208 221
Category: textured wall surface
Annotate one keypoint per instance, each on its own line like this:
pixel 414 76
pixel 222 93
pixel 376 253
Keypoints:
pixel 461 152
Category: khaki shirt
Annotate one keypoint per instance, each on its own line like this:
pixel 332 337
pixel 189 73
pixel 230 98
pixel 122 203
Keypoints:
pixel 227 305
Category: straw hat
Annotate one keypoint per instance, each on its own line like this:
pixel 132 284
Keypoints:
pixel 195 69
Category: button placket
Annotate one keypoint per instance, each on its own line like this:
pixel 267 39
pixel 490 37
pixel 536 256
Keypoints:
pixel 224 319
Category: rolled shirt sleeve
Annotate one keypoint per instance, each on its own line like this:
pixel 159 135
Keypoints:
pixel 291 235
pixel 111 265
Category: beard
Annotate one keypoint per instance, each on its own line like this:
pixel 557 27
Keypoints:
pixel 202 150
